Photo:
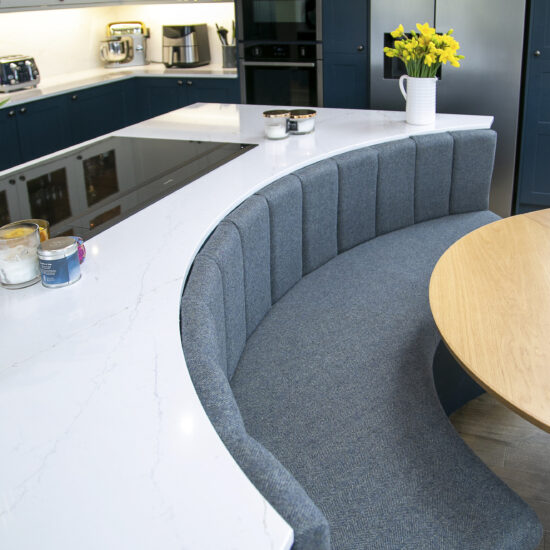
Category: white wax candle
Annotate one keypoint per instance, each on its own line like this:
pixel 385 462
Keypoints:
pixel 18 265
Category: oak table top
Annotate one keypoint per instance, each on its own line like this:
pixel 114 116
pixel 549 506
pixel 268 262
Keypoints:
pixel 490 298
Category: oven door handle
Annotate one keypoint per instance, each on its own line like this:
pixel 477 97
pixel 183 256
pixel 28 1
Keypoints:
pixel 277 64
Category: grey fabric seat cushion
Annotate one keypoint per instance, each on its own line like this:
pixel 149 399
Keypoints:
pixel 336 382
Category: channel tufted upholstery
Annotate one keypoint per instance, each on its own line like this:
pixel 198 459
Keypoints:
pixel 308 335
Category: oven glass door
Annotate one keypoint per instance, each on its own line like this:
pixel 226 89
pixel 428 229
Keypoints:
pixel 276 84
pixel 284 20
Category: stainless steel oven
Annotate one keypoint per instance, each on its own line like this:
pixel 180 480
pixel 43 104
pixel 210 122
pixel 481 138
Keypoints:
pixel 282 74
pixel 280 20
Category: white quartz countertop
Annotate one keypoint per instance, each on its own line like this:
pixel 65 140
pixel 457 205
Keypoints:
pixel 51 86
pixel 103 440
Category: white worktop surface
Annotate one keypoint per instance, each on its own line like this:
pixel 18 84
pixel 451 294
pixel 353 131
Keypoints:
pixel 103 441
pixel 51 86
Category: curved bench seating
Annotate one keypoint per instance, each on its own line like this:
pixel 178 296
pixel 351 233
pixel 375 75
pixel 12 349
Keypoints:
pixel 308 335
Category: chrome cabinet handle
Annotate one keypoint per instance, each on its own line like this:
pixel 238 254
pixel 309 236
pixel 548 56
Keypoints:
pixel 360 48
pixel 23 110
pixel 11 113
pixel 189 83
pixel 536 53
pixel 74 97
pixel 180 82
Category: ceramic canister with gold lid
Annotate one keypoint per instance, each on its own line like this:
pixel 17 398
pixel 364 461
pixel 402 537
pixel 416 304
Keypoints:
pixel 275 123
pixel 301 121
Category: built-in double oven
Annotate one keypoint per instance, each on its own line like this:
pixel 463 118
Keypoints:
pixel 280 52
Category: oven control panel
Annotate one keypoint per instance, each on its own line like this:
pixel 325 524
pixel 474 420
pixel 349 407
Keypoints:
pixel 280 52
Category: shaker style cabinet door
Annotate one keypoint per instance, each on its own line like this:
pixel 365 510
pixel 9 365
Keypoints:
pixel 42 127
pixel 98 110
pixel 213 90
pixel 345 82
pixel 10 154
pixel 345 54
pixel 533 184
pixel 160 95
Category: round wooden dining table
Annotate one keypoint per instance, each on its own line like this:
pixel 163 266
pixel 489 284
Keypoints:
pixel 490 298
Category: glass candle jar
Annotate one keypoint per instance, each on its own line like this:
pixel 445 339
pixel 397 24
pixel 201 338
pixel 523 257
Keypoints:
pixel 275 123
pixel 43 227
pixel 59 263
pixel 18 255
pixel 301 121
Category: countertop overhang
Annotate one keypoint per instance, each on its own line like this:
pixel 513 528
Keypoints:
pixel 104 442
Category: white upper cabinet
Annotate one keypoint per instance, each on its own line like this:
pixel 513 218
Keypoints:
pixel 15 5
pixel 34 4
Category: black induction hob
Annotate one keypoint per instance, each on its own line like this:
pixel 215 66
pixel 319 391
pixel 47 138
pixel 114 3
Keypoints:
pixel 92 188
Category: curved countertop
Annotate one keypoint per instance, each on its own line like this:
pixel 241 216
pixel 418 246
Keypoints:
pixel 103 440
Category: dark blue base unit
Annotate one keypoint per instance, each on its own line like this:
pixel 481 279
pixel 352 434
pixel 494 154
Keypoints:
pixel 454 387
pixel 31 130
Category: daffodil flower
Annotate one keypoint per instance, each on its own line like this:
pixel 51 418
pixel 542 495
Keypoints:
pixel 424 52
pixel 398 31
pixel 425 29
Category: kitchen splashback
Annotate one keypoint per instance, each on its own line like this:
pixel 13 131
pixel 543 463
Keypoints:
pixel 67 40
pixel 155 16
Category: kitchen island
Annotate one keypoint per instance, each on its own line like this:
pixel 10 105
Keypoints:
pixel 104 441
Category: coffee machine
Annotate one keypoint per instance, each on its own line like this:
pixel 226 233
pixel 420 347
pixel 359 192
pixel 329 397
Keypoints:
pixel 185 45
pixel 125 45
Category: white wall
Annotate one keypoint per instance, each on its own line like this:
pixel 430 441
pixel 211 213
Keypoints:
pixel 67 40
pixel 61 41
pixel 176 14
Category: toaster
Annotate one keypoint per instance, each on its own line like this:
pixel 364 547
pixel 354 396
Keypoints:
pixel 17 72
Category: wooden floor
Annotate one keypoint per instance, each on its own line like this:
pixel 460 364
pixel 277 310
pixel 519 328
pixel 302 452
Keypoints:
pixel 516 451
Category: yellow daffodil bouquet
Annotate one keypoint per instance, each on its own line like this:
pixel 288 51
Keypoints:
pixel 424 51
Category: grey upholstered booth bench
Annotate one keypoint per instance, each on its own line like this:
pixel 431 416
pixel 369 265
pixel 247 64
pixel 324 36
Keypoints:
pixel 307 333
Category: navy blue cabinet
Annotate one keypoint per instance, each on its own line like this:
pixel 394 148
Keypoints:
pixel 100 110
pixel 213 90
pixel 533 183
pixel 10 154
pixel 33 129
pixel 345 60
pixel 158 96
pixel 36 128
pixel 163 94
pixel 345 81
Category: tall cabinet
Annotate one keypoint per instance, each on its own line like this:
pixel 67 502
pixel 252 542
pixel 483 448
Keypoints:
pixel 345 49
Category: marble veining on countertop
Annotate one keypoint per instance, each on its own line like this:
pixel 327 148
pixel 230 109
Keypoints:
pixel 104 442
pixel 56 85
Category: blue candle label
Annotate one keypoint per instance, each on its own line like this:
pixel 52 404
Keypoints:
pixel 60 272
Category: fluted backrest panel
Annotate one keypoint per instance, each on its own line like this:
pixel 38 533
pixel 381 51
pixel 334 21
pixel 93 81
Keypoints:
pixel 357 181
pixel 473 160
pixel 251 219
pixel 204 317
pixel 284 201
pixel 224 248
pixel 395 186
pixel 319 214
pixel 432 176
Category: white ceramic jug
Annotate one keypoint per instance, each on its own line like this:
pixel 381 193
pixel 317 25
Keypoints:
pixel 420 97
